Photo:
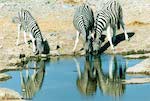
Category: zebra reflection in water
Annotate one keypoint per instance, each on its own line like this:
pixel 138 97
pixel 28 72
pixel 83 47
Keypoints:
pixel 109 83
pixel 31 84
pixel 86 81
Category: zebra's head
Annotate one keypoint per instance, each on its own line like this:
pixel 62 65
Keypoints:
pixel 96 45
pixel 88 44
pixel 39 46
pixel 42 47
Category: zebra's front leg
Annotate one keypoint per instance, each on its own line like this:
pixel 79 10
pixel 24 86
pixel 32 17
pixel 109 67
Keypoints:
pixel 76 41
pixel 33 43
pixel 25 37
pixel 19 28
pixel 110 37
pixel 124 29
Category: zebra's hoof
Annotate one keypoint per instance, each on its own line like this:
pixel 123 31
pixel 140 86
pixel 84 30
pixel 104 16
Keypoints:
pixel 128 39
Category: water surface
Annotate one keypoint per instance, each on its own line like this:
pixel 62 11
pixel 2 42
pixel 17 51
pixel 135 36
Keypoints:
pixel 78 79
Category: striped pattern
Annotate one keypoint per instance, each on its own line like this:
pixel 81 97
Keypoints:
pixel 107 18
pixel 26 22
pixel 29 24
pixel 83 21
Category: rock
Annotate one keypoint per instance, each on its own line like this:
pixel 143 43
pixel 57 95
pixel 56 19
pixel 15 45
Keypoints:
pixel 4 77
pixel 141 68
pixel 21 56
pixel 9 95
pixel 137 81
pixel 11 67
pixel 57 47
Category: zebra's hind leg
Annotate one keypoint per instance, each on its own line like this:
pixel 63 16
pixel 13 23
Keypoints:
pixel 114 34
pixel 25 37
pixel 109 37
pixel 76 41
pixel 19 28
pixel 124 29
pixel 85 43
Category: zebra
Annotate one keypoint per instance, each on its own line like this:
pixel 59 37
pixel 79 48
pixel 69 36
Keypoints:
pixel 26 22
pixel 110 16
pixel 83 22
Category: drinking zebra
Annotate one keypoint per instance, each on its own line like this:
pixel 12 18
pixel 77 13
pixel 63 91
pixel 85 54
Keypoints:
pixel 83 21
pixel 26 22
pixel 107 18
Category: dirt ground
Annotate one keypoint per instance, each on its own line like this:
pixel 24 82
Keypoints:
pixel 9 95
pixel 55 22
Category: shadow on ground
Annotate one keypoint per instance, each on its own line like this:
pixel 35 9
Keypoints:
pixel 119 38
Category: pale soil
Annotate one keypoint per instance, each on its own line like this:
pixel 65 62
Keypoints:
pixel 55 22
pixel 9 95
pixel 143 67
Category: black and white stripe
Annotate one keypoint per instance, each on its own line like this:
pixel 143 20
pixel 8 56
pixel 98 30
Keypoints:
pixel 26 22
pixel 110 16
pixel 83 21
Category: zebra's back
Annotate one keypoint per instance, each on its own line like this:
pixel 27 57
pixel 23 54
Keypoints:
pixel 111 12
pixel 29 24
pixel 83 18
pixel 108 15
